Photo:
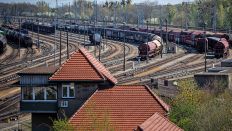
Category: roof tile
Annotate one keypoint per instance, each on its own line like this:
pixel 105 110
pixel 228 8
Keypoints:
pixel 125 107
pixel 158 122
pixel 82 66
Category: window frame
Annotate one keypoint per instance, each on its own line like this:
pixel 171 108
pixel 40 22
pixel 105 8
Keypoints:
pixel 68 85
pixel 33 95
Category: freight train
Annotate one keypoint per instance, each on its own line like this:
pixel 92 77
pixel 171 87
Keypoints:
pixel 45 28
pixel 15 36
pixel 3 42
pixel 140 36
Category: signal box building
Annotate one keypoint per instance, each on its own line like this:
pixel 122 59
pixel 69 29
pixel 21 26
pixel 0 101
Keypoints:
pixel 82 85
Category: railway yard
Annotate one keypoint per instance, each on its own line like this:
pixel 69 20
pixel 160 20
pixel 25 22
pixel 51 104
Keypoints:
pixel 184 62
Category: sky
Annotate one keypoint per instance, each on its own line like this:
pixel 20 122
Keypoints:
pixel 52 2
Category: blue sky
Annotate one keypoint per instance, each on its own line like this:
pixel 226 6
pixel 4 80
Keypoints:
pixel 52 2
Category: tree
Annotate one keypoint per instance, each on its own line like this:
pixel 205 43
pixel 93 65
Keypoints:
pixel 43 7
pixel 186 103
pixel 171 11
pixel 196 109
pixel 62 125
pixel 214 115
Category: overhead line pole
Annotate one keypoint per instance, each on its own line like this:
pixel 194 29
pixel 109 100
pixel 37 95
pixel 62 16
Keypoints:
pixel 56 22
pixel 147 57
pixel 19 36
pixel 124 45
pixel 67 31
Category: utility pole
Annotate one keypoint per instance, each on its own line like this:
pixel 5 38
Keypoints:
pixel 147 57
pixel 115 6
pixel 38 35
pixel 60 49
pixel 124 49
pixel 67 31
pixel 160 17
pixel 84 33
pixel 205 41
pixel 214 15
pixel 104 44
pixel 166 33
pixel 99 55
pixel 19 36
pixel 67 45
pixel 161 35
pixel 186 11
pixel 56 22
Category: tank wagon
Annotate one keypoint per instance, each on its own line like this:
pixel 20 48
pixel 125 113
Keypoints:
pixel 151 48
pixel 95 38
pixel 3 42
pixel 16 36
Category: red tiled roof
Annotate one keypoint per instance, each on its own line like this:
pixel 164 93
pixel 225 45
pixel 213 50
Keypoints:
pixel 82 66
pixel 125 108
pixel 158 122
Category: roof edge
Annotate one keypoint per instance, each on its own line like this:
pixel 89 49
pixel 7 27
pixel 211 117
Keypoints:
pixel 157 113
pixel 162 103
pixel 100 73
pixel 82 52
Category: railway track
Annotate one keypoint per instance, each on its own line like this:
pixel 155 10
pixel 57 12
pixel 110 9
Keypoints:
pixel 172 72
pixel 112 58
pixel 9 107
pixel 10 57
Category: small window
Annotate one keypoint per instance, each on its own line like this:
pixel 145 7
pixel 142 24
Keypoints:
pixel 68 91
pixel 51 93
pixel 27 93
pixel 39 93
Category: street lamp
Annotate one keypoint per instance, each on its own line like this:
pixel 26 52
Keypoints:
pixel 124 44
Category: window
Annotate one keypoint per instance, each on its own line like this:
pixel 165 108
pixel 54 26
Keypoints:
pixel 39 93
pixel 27 93
pixel 51 93
pixel 68 90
